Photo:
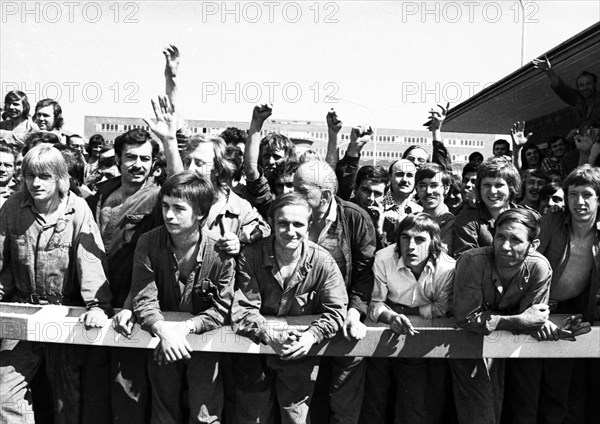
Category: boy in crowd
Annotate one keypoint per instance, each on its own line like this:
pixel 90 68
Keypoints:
pixel 202 285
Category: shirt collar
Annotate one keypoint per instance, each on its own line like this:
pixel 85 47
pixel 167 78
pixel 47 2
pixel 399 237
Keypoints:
pixel 332 212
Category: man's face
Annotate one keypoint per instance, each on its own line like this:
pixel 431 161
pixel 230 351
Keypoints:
pixel 136 163
pixel 554 178
pixel 44 118
pixel 77 143
pixel 553 202
pixel 558 148
pixel 290 226
pixel 201 160
pixel 533 157
pixel 14 108
pixel 107 165
pixel 418 157
pixel 501 149
pixel 431 192
pixel 18 163
pixel 495 193
pixel 469 180
pixel 179 216
pixel 284 184
pixel 415 248
pixel 403 177
pixel 41 187
pixel 271 159
pixel 311 193
pixel 533 185
pixel 7 168
pixel 585 86
pixel 511 245
pixel 369 193
pixel 95 149
pixel 583 203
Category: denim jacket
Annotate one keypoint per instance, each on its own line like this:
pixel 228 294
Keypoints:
pixel 60 259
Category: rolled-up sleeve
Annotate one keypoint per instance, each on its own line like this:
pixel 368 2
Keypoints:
pixel 380 290
pixel 246 319
pixel 143 287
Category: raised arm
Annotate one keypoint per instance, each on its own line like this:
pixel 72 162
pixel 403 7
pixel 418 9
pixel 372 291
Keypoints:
pixel 434 124
pixel 165 129
pixel 171 54
pixel 347 167
pixel 517 133
pixel 334 125
pixel 252 152
pixel 544 65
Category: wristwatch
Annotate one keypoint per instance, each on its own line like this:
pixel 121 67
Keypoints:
pixel 190 325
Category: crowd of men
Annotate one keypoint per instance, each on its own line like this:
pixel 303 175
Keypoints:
pixel 237 228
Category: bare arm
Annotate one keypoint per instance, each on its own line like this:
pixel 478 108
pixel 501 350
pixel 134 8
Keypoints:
pixel 334 125
pixel 165 129
pixel 252 152
pixel 517 133
pixel 544 65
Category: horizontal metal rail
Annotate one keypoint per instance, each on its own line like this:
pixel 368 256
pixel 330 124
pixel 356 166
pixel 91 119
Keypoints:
pixel 437 338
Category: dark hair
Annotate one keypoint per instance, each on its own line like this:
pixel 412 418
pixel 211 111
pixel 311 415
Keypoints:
pixel 549 190
pixel 75 163
pixel 411 148
pixel 160 164
pixel 284 169
pixel 529 146
pixel 587 74
pixel 374 174
pixel 582 176
pixel 430 170
pixel 421 222
pixel 556 138
pixel 502 141
pixel 475 155
pixel 289 199
pixel 18 95
pixel 39 137
pixel 223 169
pixel 553 172
pixel 469 168
pixel 499 167
pixel 58 118
pixel 233 135
pixel 234 154
pixel 95 140
pixel 134 137
pixel 192 187
pixel 274 141
pixel 525 216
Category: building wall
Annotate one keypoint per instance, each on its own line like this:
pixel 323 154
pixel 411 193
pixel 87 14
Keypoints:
pixel 389 146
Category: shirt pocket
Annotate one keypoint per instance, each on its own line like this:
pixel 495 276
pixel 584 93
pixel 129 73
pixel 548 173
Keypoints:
pixel 131 225
pixel 307 302
pixel 20 248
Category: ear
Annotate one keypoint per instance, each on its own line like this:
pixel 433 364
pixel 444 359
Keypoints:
pixel 533 246
pixel 326 196
pixel 446 190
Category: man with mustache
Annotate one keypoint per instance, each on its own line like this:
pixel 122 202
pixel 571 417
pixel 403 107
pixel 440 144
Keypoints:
pixel 533 180
pixel 124 207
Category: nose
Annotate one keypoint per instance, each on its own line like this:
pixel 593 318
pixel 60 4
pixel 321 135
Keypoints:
pixel 169 214
pixel 505 246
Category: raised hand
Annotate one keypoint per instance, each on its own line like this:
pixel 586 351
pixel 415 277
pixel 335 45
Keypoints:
pixel 437 118
pixel 171 54
pixel 166 124
pixel 517 134
pixel 260 114
pixel 543 64
pixel 334 124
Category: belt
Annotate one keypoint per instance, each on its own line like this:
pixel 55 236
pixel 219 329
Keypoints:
pixel 37 299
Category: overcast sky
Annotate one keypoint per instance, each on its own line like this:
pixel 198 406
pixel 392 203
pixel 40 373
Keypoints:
pixel 376 62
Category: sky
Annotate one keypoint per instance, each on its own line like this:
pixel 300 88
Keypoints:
pixel 382 63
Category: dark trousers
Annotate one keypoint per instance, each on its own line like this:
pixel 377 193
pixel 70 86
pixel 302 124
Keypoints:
pixel 339 391
pixel 537 390
pixel 116 387
pixel 19 362
pixel 478 389
pixel 265 381
pixel 187 391
pixel 420 396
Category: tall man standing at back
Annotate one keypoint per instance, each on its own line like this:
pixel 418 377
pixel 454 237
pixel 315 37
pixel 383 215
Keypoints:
pixel 346 231
pixel 125 207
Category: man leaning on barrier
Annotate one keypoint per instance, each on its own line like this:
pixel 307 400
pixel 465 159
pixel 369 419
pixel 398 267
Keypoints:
pixel 505 286
pixel 284 275
pixel 51 253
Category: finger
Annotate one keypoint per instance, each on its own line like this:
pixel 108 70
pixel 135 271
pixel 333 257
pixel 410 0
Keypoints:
pixel 156 108
pixel 82 317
